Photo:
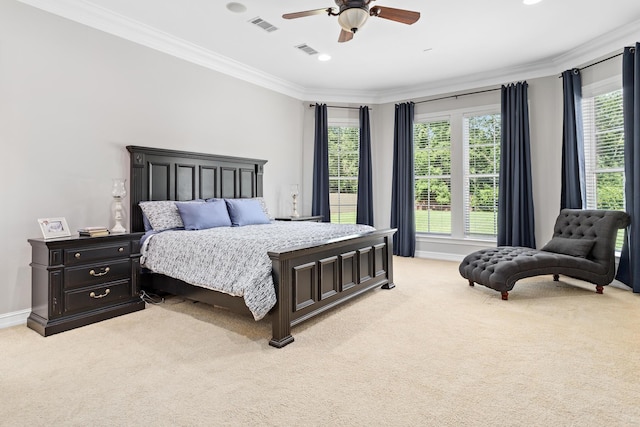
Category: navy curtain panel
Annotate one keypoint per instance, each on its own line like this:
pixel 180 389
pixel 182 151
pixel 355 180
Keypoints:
pixel 515 197
pixel 364 210
pixel 320 202
pixel 402 198
pixel 573 193
pixel 629 267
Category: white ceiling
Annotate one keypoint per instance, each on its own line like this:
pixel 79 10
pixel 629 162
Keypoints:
pixel 455 45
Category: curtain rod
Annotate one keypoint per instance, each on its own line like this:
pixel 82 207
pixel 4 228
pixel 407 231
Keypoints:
pixel 598 62
pixel 427 100
pixel 602 60
pixel 460 94
pixel 338 106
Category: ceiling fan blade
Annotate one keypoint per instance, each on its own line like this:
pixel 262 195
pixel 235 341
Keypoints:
pixel 398 15
pixel 345 36
pixel 307 13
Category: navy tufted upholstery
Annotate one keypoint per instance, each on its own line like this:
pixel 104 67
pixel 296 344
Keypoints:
pixel 499 268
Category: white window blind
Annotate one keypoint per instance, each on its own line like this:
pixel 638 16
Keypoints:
pixel 343 173
pixel 432 173
pixel 481 134
pixel 604 152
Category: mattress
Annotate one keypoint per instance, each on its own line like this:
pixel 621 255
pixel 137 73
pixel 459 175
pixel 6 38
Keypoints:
pixel 235 260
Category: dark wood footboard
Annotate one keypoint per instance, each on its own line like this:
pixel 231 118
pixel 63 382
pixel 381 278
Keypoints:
pixel 312 279
pixel 308 279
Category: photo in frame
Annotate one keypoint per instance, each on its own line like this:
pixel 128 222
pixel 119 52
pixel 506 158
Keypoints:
pixel 53 228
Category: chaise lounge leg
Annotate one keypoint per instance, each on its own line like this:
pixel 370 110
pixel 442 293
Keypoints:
pixel 599 289
pixel 471 283
pixel 505 295
pixel 556 277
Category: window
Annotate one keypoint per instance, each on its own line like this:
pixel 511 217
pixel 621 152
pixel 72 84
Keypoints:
pixel 432 170
pixel 604 152
pixel 482 162
pixel 343 173
pixel 456 162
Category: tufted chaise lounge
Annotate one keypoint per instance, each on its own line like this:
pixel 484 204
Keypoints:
pixel 582 247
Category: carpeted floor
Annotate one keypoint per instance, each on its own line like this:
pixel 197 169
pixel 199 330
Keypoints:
pixel 431 352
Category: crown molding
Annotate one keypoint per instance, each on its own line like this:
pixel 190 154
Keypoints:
pixel 579 56
pixel 102 19
pixel 471 82
pixel 105 20
pixel 606 44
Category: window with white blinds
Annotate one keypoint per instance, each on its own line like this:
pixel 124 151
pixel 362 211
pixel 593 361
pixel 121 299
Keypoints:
pixel 432 175
pixel 343 173
pixel 604 152
pixel 481 135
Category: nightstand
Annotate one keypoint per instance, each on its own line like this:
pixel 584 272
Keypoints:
pixel 76 281
pixel 314 218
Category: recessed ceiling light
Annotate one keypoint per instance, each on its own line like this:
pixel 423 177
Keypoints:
pixel 530 2
pixel 324 57
pixel 236 7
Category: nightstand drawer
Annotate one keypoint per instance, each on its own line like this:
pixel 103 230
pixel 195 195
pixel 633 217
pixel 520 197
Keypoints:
pixel 93 274
pixel 96 296
pixel 93 253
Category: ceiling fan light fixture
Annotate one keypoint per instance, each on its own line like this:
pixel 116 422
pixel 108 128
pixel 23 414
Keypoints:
pixel 353 19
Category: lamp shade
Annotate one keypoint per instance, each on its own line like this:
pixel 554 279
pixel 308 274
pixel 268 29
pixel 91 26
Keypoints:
pixel 353 19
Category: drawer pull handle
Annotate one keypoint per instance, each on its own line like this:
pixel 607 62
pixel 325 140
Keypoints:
pixel 77 255
pixel 120 249
pixel 93 272
pixel 106 292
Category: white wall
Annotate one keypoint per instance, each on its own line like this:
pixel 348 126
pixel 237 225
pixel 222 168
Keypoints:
pixel 72 98
pixel 545 129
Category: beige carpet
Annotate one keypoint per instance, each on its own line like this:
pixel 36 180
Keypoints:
pixel 431 352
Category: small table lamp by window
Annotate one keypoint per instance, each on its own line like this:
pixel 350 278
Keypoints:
pixel 294 195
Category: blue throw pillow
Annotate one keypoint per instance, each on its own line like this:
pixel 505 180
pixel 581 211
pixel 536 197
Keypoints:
pixel 246 212
pixel 200 216
pixel 146 223
pixel 260 200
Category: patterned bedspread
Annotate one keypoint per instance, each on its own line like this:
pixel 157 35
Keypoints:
pixel 234 260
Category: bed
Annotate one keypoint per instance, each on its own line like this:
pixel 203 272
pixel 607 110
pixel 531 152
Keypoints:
pixel 308 279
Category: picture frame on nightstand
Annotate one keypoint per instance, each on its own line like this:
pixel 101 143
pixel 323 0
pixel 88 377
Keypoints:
pixel 53 228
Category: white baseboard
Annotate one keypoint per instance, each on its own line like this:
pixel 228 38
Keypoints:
pixel 620 285
pixel 13 319
pixel 442 256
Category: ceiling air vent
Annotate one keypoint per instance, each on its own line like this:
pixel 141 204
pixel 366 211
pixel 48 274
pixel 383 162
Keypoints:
pixel 263 24
pixel 307 49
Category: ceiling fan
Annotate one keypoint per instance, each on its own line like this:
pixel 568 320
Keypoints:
pixel 352 14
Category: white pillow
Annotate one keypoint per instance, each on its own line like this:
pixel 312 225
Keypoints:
pixel 162 215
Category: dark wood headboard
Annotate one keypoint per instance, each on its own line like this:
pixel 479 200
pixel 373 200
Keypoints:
pixel 159 174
